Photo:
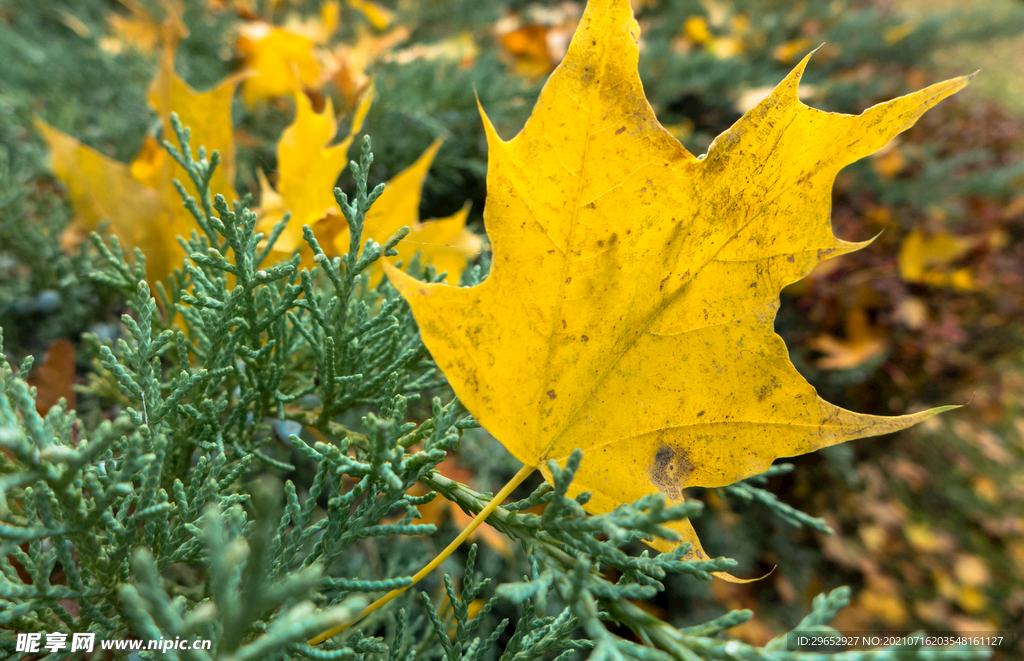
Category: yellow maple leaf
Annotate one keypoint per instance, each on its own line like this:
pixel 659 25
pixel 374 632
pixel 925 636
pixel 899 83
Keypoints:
pixel 307 171
pixel 140 201
pixel 284 60
pixel 630 307
pixel 101 188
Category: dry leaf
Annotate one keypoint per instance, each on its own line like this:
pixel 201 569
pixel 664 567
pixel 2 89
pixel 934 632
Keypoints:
pixel 630 306
pixel 863 343
pixel 54 377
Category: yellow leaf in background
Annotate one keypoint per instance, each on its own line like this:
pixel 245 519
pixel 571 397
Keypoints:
pixel 144 209
pixel 101 188
pixel 790 50
pixel 461 48
pixel 208 116
pixel 379 17
pixel 444 242
pixel 349 63
pixel 862 344
pixel 882 600
pixel 149 162
pixel 528 47
pixel 921 537
pixel 629 310
pixel 726 47
pixel 284 60
pixel 926 259
pixel 889 161
pixel 696 30
pixel 308 169
pixel 138 30
pixel 971 570
pixel 892 35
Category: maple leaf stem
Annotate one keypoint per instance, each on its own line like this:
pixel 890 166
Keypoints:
pixel 481 516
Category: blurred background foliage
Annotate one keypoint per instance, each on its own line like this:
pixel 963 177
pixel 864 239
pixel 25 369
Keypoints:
pixel 930 522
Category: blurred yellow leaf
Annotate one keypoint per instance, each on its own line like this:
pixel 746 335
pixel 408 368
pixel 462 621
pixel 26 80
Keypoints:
pixel 971 599
pixel 284 60
pixel 308 167
pixel 790 50
pixel 138 30
pixel 350 62
pixel 100 188
pixel 889 160
pixel 882 600
pixel 892 35
pixel 695 28
pixel 379 17
pixel 862 344
pixel 971 570
pixel 144 209
pixel 925 259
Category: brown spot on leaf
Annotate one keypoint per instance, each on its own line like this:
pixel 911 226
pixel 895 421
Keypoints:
pixel 551 394
pixel 705 315
pixel 551 252
pixel 791 259
pixel 662 285
pixel 568 280
pixel 620 130
pixel 584 338
pixel 685 275
pixel 670 469
pixel 563 324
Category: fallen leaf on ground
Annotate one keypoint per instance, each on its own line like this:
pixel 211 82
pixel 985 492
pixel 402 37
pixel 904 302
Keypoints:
pixel 138 30
pixel 379 17
pixel 284 60
pixel 308 167
pixel 144 209
pixel 927 259
pixel 349 62
pixel 54 377
pixel 862 344
pixel 630 306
